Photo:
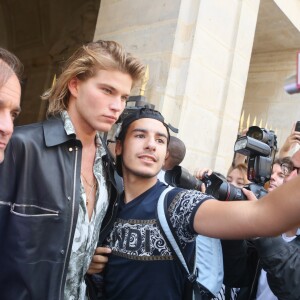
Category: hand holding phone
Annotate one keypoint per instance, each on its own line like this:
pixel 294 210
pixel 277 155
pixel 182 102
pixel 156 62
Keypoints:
pixel 297 127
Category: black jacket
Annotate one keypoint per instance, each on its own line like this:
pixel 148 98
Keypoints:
pixel 241 267
pixel 243 261
pixel 281 261
pixel 39 202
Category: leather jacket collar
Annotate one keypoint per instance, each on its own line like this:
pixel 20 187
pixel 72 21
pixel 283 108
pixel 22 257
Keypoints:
pixel 55 133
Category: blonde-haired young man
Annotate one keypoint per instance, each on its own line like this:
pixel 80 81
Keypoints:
pixel 55 181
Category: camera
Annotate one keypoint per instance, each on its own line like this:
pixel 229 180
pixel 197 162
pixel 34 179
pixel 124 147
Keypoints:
pixel 139 102
pixel 216 185
pixel 132 104
pixel 219 188
pixel 180 177
pixel 259 145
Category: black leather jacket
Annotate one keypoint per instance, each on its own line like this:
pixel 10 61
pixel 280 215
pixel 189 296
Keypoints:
pixel 243 262
pixel 39 202
pixel 281 261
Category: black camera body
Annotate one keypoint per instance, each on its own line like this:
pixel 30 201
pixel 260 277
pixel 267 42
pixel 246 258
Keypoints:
pixel 216 185
pixel 132 105
pixel 219 188
pixel 259 145
pixel 138 103
pixel 180 177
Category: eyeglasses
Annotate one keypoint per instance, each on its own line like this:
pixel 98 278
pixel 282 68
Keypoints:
pixel 288 169
pixel 298 170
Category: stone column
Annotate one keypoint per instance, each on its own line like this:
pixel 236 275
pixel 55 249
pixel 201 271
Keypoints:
pixel 198 52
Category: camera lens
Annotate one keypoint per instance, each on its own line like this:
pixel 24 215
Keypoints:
pixel 256 133
pixel 180 177
pixel 229 192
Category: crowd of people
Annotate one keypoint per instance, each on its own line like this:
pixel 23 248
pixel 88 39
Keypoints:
pixel 264 268
pixel 70 230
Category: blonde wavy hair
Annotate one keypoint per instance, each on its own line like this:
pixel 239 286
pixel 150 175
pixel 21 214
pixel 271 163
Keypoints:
pixel 85 63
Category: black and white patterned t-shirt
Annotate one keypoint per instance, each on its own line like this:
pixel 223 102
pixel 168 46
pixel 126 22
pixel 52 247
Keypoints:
pixel 141 265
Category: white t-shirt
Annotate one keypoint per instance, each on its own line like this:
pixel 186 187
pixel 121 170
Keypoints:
pixel 161 176
pixel 263 289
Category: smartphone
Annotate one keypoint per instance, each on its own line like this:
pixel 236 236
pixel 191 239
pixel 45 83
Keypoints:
pixel 297 127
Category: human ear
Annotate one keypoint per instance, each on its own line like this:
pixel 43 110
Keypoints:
pixel 167 155
pixel 118 148
pixel 73 86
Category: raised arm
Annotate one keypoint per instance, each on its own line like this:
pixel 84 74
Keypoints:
pixel 292 140
pixel 271 215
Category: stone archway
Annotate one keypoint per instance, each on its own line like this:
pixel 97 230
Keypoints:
pixel 43 34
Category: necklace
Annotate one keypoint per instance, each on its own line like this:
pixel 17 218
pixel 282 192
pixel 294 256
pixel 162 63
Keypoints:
pixel 92 186
pixel 89 184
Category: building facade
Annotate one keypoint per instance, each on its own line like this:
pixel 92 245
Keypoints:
pixel 209 61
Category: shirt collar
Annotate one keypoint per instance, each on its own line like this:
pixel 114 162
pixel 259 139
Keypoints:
pixel 70 130
pixel 68 125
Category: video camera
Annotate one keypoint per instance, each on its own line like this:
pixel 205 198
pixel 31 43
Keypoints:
pixel 259 145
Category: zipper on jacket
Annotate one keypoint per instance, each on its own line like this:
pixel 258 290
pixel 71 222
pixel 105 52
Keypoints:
pixel 61 293
pixel 256 278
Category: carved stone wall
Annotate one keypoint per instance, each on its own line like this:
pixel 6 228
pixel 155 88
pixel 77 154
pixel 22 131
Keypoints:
pixel 198 53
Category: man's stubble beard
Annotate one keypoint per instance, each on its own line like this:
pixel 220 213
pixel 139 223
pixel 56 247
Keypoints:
pixel 139 173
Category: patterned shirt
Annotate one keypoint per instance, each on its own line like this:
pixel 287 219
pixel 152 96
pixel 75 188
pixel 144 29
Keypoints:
pixel 221 295
pixel 142 265
pixel 86 231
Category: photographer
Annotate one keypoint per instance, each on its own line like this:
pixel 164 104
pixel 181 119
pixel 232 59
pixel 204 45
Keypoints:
pixel 237 176
pixel 244 260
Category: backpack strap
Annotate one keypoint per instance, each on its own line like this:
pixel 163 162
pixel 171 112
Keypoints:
pixel 169 233
pixel 203 283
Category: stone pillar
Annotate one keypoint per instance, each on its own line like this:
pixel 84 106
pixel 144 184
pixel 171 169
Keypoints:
pixel 198 52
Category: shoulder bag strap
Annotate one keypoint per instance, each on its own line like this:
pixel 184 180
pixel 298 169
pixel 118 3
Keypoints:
pixel 169 232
